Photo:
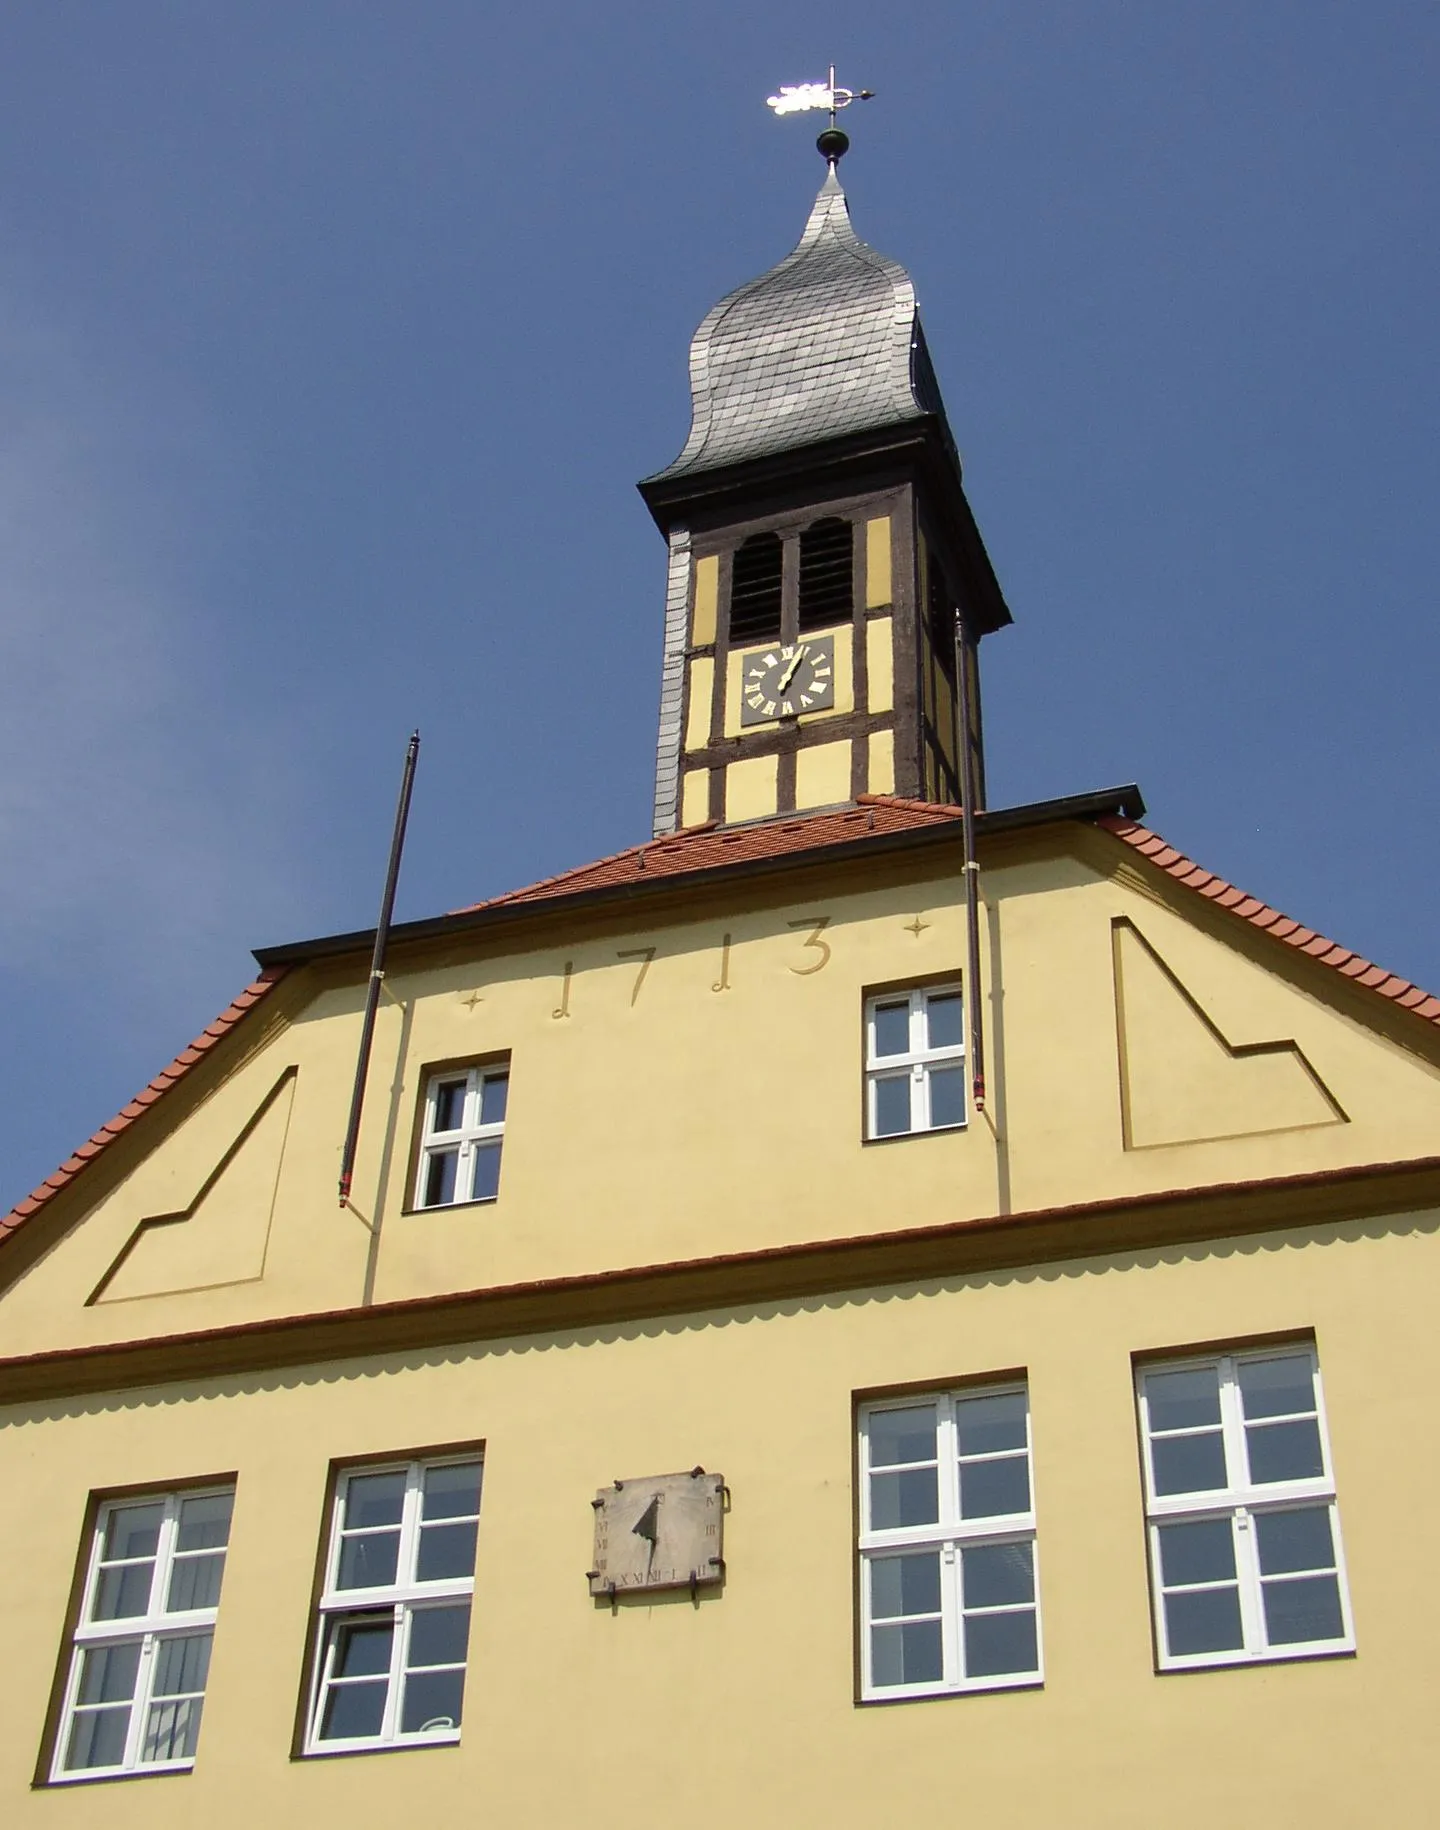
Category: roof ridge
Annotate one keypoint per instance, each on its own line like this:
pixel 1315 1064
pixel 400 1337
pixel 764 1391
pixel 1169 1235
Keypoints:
pixel 1278 926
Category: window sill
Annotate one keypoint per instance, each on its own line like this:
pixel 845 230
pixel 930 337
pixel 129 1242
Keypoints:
pixel 905 1137
pixel 109 1774
pixel 1030 1680
pixel 1239 1661
pixel 449 1207
pixel 411 1744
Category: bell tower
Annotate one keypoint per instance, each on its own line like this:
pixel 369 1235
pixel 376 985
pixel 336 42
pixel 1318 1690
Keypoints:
pixel 828 586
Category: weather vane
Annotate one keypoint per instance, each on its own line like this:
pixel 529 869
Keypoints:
pixel 798 98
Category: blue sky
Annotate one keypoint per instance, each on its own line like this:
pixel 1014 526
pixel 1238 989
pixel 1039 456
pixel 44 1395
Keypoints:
pixel 333 337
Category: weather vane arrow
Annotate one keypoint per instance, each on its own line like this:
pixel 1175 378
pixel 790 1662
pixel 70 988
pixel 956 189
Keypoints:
pixel 800 98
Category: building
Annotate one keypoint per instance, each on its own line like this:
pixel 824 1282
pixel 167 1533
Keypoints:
pixel 859 1443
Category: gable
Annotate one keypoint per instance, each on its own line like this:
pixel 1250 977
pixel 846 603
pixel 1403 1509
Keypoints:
pixel 687 1082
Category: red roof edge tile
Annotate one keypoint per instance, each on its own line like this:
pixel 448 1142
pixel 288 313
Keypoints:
pixel 240 1007
pixel 1250 909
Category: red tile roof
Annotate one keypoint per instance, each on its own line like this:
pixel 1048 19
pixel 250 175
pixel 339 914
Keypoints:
pixel 126 1116
pixel 709 847
pixel 1270 921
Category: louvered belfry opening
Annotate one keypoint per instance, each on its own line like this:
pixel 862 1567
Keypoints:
pixel 755 590
pixel 826 573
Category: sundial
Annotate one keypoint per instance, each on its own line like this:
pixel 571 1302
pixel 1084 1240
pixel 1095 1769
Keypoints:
pixel 660 1532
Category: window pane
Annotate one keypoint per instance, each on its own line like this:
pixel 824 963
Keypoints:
pixel 1277 1388
pixel 353 1711
pixel 494 1090
pixel 943 1020
pixel 1302 1610
pixel 432 1700
pixel 172 1730
pixel 451 1492
pixel 439 1636
pixel 987 1425
pixel 911 1498
pixel 182 1665
pixel 901 1436
pixel 440 1168
pixel 1188 1464
pixel 1200 1552
pixel 997 1644
pixel 363 1647
pixel 445 1550
pixel 368 1562
pixel 195 1582
pixel 892 1029
pixel 1284 1451
pixel 1203 1620
pixel 374 1499
pixel 908 1654
pixel 1294 1540
pixel 449 1105
pixel 947 1097
pixel 205 1522
pixel 1183 1400
pixel 132 1531
pixel 485 1182
pixel 124 1593
pixel 998 1575
pixel 905 1585
pixel 892 1107
pixel 990 1488
pixel 109 1674
pixel 97 1739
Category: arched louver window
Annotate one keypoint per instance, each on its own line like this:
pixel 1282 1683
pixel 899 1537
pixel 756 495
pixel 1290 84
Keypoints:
pixel 826 571
pixel 755 591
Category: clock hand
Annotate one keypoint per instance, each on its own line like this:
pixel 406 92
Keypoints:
pixel 789 672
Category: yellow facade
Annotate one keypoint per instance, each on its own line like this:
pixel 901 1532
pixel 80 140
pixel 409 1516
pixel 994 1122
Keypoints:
pixel 686 1092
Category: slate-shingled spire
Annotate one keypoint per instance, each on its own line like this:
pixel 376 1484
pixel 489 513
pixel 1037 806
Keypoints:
pixel 826 343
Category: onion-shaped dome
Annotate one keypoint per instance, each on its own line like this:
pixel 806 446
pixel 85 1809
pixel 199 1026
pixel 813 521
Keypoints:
pixel 826 343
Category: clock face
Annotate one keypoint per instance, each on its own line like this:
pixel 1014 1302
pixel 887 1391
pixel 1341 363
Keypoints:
pixel 787 679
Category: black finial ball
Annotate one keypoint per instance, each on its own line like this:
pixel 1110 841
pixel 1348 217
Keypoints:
pixel 833 144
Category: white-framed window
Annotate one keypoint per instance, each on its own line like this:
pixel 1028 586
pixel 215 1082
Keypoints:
pixel 395 1609
pixel 141 1653
pixel 914 1061
pixel 1245 1555
pixel 949 1587
pixel 464 1129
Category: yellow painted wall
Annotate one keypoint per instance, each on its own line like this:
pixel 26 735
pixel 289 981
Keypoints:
pixel 844 685
pixel 744 1702
pixel 707 586
pixel 822 774
pixel 695 798
pixel 880 664
pixel 702 688
pixel 751 788
pixel 879 585
pixel 881 766
pixel 645 1123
